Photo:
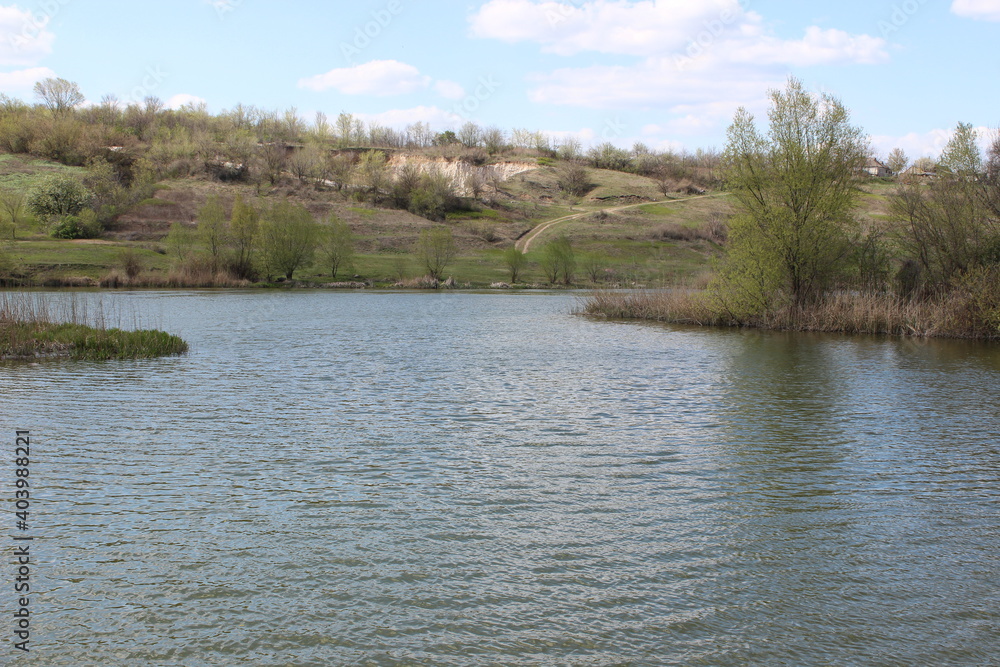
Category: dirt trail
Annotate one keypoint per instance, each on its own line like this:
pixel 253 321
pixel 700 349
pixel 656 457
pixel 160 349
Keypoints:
pixel 524 245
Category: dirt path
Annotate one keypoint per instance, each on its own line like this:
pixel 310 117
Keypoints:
pixel 524 245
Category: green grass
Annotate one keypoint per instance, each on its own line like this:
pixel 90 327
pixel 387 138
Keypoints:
pixel 27 330
pixel 18 172
pixel 156 202
pixel 485 214
pixel 363 212
pixel 90 259
pixel 78 341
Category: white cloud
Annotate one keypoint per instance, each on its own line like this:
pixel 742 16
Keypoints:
pixel 24 79
pixel 665 27
pixel 639 28
pixel 24 39
pixel 696 61
pixel 382 78
pixel 178 101
pixel 986 10
pixel 449 90
pixel 817 47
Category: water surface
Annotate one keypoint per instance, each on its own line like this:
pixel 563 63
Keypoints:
pixel 461 479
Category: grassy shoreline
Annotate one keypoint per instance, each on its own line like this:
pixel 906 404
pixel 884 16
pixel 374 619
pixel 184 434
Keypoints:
pixel 29 330
pixel 942 316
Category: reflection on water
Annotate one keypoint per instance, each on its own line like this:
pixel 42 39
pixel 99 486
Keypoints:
pixel 488 479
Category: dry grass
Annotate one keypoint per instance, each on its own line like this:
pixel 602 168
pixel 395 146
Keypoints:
pixel 948 315
pixel 680 306
pixel 191 276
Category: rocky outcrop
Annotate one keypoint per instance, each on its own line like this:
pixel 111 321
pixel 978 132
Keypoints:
pixel 460 171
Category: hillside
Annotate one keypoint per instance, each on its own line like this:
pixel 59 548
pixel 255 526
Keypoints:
pixel 651 243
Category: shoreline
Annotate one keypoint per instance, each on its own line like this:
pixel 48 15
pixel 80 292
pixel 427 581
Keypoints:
pixel 940 317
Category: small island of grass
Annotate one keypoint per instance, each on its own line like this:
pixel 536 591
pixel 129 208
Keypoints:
pixel 28 332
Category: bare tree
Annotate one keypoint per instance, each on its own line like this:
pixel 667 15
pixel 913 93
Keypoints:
pixel 59 95
pixel 573 178
pixel 570 149
pixel 494 140
pixel 437 249
pixel 337 245
pixel 470 135
pixel 305 162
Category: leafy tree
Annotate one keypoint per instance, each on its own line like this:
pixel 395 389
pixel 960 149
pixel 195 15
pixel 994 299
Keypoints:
pixel 559 258
pixel 213 230
pixel 951 226
pixel 795 191
pixel 407 181
pixel 961 156
pixel 436 250
pixel 13 206
pixel 244 232
pixel 288 234
pixel 434 197
pixel 897 161
pixel 349 129
pixel 340 170
pixel 609 156
pixel 515 260
pixel 181 240
pixel 59 95
pixel 58 197
pixel 373 173
pixel 446 138
pixel 337 245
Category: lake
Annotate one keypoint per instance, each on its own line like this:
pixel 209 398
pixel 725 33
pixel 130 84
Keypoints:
pixel 485 479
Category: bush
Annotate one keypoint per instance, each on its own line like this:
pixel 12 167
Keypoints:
pixel 433 198
pixel 572 178
pixel 59 196
pixel 131 263
pixel 515 260
pixel 83 226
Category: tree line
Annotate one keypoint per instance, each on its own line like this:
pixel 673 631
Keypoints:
pixel 797 241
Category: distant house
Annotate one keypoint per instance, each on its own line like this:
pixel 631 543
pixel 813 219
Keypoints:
pixel 875 168
pixel 917 172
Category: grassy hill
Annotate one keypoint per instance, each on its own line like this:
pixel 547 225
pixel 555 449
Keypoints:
pixel 653 243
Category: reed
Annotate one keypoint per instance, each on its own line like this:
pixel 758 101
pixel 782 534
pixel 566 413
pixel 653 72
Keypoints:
pixel 953 314
pixel 31 327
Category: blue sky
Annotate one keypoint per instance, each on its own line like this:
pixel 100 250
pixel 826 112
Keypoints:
pixel 670 73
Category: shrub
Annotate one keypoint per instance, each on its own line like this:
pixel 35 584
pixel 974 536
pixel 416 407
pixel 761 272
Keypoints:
pixel 131 263
pixel 83 226
pixel 59 196
pixel 572 178
pixel 515 261
pixel 559 258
